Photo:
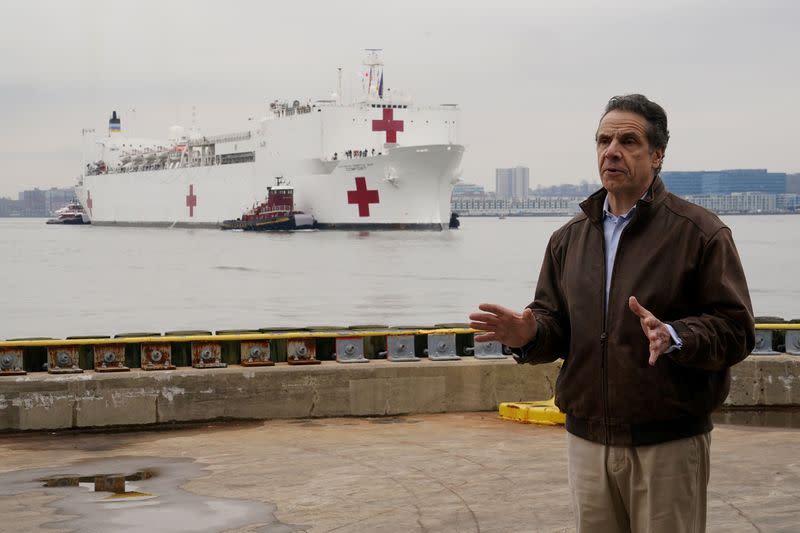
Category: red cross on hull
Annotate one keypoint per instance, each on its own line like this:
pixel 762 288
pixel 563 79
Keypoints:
pixel 363 197
pixel 191 200
pixel 389 125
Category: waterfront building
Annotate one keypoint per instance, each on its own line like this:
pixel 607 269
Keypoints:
pixel 711 182
pixel 512 183
pixel 533 206
pixel 793 183
pixel 746 202
pixel 469 190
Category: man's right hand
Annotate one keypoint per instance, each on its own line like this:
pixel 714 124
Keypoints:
pixel 505 325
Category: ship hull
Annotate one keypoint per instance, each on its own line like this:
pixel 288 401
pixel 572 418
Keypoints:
pixel 407 188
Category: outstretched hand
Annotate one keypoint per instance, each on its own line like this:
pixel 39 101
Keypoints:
pixel 504 325
pixel 655 330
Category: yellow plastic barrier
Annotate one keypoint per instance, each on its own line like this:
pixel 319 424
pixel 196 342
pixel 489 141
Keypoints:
pixel 545 413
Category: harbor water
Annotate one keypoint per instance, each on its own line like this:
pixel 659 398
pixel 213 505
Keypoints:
pixel 98 280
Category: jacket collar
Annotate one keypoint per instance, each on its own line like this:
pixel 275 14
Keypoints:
pixel 593 205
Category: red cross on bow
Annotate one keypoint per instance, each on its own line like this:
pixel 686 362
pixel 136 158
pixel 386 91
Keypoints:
pixel 191 200
pixel 389 125
pixel 362 197
pixel 89 201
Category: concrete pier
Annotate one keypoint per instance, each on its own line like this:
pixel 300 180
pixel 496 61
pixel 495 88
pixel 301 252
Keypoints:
pixel 441 473
pixel 40 401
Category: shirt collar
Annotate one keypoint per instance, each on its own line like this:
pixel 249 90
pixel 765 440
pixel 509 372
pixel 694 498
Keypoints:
pixel 608 214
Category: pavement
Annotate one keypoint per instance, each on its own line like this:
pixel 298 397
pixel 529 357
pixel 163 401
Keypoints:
pixel 465 472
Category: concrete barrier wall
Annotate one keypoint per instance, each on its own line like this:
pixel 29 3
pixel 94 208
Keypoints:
pixel 42 401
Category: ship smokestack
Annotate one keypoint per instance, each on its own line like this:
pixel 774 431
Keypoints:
pixel 114 124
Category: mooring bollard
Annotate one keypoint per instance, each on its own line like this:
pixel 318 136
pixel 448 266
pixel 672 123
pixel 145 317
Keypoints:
pixel 207 355
pixel 63 360
pixel 400 348
pixel 302 352
pixel 463 340
pixel 350 350
pixel 157 356
pixel 255 353
pixel 486 350
pixel 11 362
pixel 109 358
pixel 442 348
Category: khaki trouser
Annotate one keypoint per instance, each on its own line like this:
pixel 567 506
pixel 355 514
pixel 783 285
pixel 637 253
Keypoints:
pixel 641 489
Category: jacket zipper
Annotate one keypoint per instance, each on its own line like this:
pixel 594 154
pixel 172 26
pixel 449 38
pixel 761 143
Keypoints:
pixel 604 339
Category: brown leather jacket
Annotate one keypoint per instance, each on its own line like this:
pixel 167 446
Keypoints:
pixel 680 262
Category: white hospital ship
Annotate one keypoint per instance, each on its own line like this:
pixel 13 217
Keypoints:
pixel 379 163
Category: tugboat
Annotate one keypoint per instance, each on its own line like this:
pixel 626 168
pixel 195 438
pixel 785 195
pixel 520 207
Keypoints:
pixel 275 213
pixel 71 214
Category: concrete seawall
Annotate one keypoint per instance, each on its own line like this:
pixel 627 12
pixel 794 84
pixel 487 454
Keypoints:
pixel 41 401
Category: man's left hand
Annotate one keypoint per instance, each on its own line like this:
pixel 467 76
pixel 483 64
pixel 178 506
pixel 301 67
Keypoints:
pixel 655 330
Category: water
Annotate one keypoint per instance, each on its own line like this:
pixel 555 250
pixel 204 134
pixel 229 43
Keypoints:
pixel 93 280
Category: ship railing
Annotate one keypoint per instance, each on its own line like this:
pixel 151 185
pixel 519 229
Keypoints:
pixel 224 138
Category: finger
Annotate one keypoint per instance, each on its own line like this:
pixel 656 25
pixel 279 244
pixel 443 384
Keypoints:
pixel 486 337
pixel 498 310
pixel 651 322
pixel 482 326
pixel 637 308
pixel 654 354
pixel 483 317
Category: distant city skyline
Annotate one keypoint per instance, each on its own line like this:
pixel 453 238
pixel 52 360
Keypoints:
pixel 531 78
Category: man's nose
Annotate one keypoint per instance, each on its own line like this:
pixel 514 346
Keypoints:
pixel 612 150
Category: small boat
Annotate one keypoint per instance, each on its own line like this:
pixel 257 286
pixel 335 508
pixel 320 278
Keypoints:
pixel 275 213
pixel 70 214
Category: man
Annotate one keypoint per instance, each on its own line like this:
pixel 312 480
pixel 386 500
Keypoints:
pixel 644 297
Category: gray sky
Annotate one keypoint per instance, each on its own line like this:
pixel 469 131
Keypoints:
pixel 532 77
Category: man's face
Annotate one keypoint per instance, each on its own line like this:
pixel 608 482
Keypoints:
pixel 624 158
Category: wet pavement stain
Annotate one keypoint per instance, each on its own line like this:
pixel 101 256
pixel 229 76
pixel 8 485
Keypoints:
pixel 152 498
pixel 759 418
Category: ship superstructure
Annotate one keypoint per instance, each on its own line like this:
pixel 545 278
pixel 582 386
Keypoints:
pixel 380 162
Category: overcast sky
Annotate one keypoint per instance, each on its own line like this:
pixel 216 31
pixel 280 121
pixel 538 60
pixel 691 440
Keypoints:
pixel 531 77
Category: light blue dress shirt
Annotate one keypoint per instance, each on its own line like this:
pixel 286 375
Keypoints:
pixel 612 229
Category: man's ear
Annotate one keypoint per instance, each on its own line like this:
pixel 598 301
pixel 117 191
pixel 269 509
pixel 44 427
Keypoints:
pixel 658 157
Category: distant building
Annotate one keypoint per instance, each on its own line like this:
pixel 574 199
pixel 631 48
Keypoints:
pixel 512 183
pixel 713 182
pixel 32 203
pixel 36 202
pixel 583 189
pixel 793 183
pixel 57 198
pixel 468 190
pixel 746 202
